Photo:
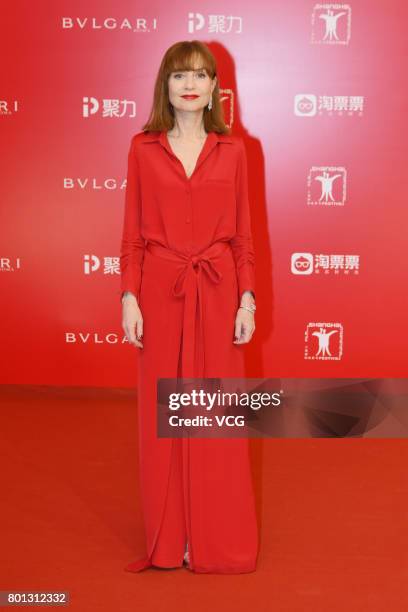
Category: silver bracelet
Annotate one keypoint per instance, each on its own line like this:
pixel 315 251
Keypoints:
pixel 251 308
pixel 125 294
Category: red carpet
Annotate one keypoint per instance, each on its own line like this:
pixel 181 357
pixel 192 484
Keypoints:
pixel 333 515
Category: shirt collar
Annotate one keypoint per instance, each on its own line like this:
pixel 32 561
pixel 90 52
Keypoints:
pixel 211 142
pixel 161 137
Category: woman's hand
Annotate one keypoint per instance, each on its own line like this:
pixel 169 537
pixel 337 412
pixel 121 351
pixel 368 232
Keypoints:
pixel 132 320
pixel 244 326
pixel 245 320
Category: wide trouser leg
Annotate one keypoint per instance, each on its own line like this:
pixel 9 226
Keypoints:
pixel 171 542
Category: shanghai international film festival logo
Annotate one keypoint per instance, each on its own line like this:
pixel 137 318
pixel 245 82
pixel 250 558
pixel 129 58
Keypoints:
pixel 280 408
pixel 324 341
pixel 331 24
pixel 326 186
pixel 227 99
pixel 110 24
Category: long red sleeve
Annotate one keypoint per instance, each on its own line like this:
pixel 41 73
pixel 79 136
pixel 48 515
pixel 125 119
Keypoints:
pixel 242 244
pixel 132 245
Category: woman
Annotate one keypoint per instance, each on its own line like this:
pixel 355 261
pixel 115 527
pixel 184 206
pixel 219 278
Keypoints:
pixel 187 286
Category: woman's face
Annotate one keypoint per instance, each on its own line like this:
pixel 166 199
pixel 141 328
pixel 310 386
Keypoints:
pixel 192 82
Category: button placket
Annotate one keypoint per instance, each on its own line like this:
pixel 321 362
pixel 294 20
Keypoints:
pixel 189 215
pixel 189 204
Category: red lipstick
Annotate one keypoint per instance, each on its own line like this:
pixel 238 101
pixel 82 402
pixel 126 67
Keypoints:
pixel 189 97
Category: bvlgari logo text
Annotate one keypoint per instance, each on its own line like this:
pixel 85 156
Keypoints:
pixel 8 264
pixel 93 184
pixel 134 24
pixel 76 337
pixel 8 107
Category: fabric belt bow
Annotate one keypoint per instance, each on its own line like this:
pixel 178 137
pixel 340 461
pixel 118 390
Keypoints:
pixel 189 284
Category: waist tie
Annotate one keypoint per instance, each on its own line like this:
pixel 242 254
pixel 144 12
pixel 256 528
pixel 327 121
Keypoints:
pixel 188 284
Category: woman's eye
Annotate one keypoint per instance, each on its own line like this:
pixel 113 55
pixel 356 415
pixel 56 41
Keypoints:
pixel 179 74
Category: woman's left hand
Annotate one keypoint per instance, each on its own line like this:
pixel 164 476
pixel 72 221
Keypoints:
pixel 244 326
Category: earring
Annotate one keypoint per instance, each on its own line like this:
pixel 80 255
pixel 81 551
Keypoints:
pixel 210 104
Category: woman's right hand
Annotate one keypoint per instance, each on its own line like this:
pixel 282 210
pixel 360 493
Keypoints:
pixel 132 320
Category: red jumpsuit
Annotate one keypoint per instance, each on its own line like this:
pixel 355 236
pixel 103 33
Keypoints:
pixel 187 254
